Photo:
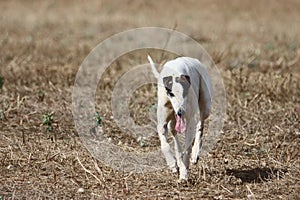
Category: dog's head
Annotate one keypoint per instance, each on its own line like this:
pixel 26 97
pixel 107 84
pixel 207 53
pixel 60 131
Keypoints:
pixel 177 88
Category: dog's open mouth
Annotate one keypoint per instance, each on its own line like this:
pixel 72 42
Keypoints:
pixel 180 125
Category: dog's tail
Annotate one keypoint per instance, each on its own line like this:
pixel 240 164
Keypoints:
pixel 154 70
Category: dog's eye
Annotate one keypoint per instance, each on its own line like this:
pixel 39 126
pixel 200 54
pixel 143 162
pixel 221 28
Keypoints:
pixel 169 93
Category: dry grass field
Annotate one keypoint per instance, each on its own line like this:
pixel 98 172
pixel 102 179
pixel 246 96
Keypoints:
pixel 255 44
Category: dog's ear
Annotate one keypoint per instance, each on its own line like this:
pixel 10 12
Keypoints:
pixel 168 82
pixel 184 80
pixel 187 78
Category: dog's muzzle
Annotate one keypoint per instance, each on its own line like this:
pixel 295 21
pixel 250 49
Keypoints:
pixel 180 112
pixel 180 123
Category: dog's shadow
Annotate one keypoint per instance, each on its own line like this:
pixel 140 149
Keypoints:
pixel 256 175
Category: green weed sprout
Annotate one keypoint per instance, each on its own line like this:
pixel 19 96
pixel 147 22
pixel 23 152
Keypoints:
pixel 48 120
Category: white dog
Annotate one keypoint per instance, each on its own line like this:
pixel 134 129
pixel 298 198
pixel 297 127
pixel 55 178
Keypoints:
pixel 184 86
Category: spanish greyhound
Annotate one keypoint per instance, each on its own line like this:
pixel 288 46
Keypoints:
pixel 184 86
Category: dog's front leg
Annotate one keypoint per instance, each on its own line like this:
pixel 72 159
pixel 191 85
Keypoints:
pixel 180 157
pixel 186 152
pixel 184 166
pixel 162 129
pixel 165 147
pixel 183 160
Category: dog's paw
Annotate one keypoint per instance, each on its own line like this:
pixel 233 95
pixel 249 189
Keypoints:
pixel 194 160
pixel 182 182
pixel 174 169
pixel 183 175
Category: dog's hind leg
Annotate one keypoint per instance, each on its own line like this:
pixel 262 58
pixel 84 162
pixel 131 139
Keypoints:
pixel 204 108
pixel 197 142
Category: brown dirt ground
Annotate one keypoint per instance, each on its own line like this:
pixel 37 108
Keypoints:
pixel 255 45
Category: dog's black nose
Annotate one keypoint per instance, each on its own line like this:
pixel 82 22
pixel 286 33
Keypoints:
pixel 180 112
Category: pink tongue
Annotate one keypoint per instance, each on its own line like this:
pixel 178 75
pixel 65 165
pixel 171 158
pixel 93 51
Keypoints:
pixel 180 125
